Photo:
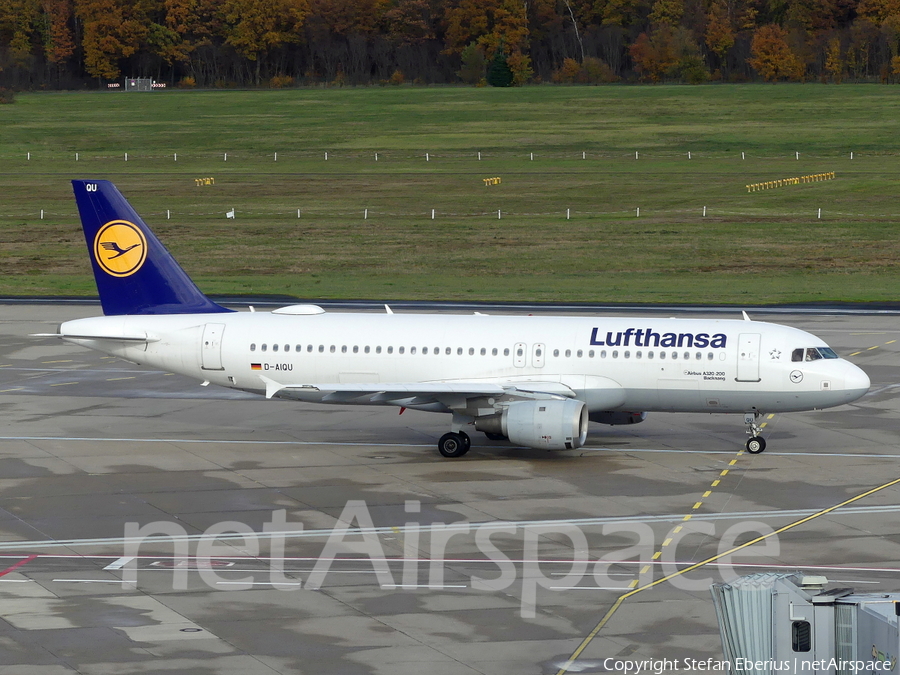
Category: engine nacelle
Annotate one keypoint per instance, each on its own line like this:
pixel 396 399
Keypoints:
pixel 549 425
pixel 618 417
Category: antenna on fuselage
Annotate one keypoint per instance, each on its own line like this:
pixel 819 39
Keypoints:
pixel 746 318
pixel 388 310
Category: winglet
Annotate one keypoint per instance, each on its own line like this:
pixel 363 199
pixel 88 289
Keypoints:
pixel 135 274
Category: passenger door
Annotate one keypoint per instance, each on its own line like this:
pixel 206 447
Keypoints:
pixel 748 357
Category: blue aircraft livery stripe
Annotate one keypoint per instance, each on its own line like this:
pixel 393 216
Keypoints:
pixel 647 337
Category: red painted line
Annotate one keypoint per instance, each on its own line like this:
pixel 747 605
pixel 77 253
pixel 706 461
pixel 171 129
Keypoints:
pixel 13 568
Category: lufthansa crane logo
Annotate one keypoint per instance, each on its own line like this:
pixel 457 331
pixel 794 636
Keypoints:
pixel 120 248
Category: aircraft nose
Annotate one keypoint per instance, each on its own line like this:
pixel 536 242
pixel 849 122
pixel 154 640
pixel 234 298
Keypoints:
pixel 856 381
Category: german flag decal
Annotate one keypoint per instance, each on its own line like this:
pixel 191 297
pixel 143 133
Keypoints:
pixel 255 366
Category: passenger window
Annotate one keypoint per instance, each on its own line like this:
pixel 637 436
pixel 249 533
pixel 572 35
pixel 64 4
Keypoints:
pixel 591 354
pixel 674 356
pixel 287 348
pixel 424 350
pixel 709 357
pixel 366 350
pixel 812 354
pixel 602 353
pixel 309 348
pixel 568 353
pixel 263 348
pixel 627 354
pixel 555 352
pixel 506 352
pixel 649 355
pixel 356 349
pixel 390 350
pixel 484 351
pixel 344 349
pixel 797 355
pixel 298 348
pixel 579 353
pixel 447 351
pixel 332 349
pixel 437 350
pixel 471 351
pixel 252 346
pixel 400 350
pixel 519 352
pixel 662 355
pixel 378 349
pixel 698 355
pixel 615 353
pixel 412 350
pixel 494 352
pixel 687 356
pixel 637 354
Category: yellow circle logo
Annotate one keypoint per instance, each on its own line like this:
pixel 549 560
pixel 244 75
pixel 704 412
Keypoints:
pixel 120 248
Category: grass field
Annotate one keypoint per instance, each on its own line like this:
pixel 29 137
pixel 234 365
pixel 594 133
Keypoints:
pixel 760 247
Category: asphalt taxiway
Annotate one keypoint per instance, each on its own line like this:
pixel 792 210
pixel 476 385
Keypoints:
pixel 468 564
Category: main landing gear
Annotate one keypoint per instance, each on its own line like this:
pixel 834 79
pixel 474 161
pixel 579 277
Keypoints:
pixel 454 444
pixel 756 443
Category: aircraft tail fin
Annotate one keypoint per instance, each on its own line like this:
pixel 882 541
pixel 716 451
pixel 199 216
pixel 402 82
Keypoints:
pixel 135 274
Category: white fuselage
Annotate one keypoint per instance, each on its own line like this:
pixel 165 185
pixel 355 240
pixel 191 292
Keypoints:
pixel 612 364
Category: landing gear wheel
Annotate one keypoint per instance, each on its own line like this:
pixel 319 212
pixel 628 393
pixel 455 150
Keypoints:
pixel 454 445
pixel 756 444
pixel 495 437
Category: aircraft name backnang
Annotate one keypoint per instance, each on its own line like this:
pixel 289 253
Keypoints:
pixel 647 337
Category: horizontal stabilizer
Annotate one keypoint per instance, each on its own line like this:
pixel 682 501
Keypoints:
pixel 116 338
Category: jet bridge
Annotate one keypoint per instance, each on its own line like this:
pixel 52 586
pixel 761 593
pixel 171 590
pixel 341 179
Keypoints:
pixel 789 623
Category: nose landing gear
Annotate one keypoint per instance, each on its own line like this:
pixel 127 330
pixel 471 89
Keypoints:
pixel 756 443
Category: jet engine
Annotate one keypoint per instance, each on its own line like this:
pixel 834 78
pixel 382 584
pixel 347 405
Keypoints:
pixel 550 425
pixel 618 417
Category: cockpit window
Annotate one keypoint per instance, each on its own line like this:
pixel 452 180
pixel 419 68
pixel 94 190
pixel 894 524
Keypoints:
pixel 813 354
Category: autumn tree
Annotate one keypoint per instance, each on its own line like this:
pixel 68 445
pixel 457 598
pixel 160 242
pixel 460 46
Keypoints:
pixel 668 53
pixel 473 64
pixel 111 30
pixel 772 56
pixel 59 43
pixel 253 27
pixel 834 64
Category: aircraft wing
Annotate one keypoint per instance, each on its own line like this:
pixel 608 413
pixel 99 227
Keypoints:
pixel 449 393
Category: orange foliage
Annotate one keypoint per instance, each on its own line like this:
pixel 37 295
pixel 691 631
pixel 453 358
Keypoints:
pixel 772 56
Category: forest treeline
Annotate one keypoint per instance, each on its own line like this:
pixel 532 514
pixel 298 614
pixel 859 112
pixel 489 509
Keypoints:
pixel 224 43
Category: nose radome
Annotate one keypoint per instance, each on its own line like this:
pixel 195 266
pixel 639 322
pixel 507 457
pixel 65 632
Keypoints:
pixel 856 379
